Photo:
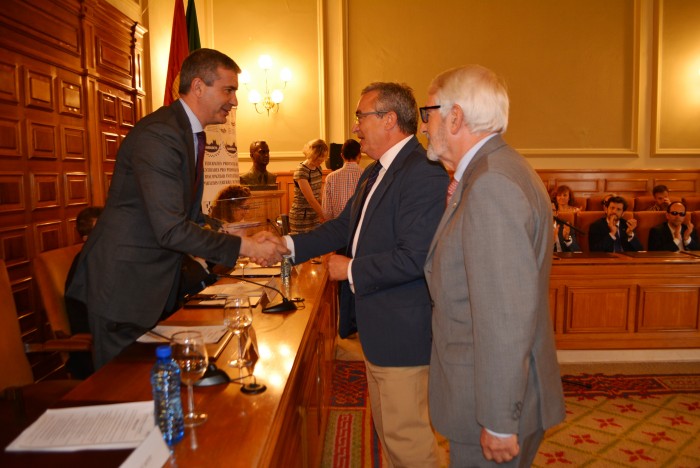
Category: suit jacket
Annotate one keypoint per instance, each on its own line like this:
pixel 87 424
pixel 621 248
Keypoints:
pixel 493 361
pixel 391 305
pixel 129 268
pixel 573 247
pixel 661 238
pixel 599 239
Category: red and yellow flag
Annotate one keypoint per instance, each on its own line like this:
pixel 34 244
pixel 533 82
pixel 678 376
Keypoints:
pixel 179 49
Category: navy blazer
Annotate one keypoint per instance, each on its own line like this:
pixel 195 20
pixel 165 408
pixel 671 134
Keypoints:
pixel 391 305
pixel 661 238
pixel 599 239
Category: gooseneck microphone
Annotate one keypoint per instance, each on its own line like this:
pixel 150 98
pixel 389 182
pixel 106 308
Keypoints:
pixel 285 306
pixel 561 221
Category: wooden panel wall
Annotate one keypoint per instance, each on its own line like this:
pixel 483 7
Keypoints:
pixel 70 89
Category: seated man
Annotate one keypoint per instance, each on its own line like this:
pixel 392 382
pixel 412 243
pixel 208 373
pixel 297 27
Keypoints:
pixel 258 175
pixel 79 364
pixel 661 199
pixel 677 233
pixel 564 239
pixel 612 233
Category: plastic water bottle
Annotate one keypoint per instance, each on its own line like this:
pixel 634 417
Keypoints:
pixel 286 270
pixel 165 381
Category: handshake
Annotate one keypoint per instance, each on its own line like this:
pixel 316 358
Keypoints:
pixel 264 248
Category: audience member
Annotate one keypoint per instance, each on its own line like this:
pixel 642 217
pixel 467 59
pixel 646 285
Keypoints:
pixel 231 204
pixel 677 233
pixel 389 224
pixel 129 271
pixel 563 200
pixel 258 175
pixel 306 212
pixel 613 233
pixel 661 198
pixel 495 384
pixel 604 201
pixel 341 184
pixel 79 364
pixel 565 238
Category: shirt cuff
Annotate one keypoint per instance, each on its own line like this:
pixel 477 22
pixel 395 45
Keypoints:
pixel 498 434
pixel 290 245
pixel 352 283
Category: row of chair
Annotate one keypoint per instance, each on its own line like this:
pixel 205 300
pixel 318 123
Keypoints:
pixel 595 202
pixel 645 221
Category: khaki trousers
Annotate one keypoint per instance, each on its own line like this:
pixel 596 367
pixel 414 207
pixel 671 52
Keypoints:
pixel 399 402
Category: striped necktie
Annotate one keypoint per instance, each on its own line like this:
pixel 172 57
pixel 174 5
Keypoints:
pixel 451 189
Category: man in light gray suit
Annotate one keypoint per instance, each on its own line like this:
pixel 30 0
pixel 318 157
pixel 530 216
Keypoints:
pixel 494 378
pixel 128 273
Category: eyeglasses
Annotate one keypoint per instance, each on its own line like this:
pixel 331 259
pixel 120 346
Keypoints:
pixel 361 115
pixel 424 112
pixel 677 213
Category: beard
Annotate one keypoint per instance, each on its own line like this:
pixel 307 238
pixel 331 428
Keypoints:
pixel 437 144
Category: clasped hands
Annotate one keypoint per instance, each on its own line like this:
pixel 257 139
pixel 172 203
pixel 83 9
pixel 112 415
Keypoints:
pixel 264 248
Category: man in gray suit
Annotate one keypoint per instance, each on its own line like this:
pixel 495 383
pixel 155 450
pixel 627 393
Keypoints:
pixel 386 227
pixel 129 270
pixel 494 377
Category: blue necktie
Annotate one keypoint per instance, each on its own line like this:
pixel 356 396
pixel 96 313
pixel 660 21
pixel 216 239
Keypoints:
pixel 369 183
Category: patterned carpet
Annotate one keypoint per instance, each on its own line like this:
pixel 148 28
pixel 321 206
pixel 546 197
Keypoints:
pixel 612 421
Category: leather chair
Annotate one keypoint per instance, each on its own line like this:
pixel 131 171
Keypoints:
pixel 692 203
pixel 645 221
pixel 584 219
pixel 50 273
pixel 21 399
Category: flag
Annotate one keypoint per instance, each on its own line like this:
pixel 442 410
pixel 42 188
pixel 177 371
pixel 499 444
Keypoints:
pixel 192 27
pixel 179 49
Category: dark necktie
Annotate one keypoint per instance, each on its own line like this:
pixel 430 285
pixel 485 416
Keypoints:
pixel 618 242
pixel 371 179
pixel 451 189
pixel 199 171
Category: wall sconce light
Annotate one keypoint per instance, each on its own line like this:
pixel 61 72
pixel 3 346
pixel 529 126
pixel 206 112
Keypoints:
pixel 270 99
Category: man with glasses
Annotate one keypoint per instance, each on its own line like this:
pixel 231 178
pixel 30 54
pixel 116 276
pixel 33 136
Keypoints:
pixel 494 379
pixel 677 233
pixel 386 228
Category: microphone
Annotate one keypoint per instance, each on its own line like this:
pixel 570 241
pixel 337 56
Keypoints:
pixel 561 221
pixel 285 306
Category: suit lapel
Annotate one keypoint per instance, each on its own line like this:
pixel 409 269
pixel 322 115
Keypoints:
pixel 184 123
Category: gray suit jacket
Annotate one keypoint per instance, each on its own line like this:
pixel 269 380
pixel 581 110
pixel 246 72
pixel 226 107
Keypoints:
pixel 129 269
pixel 391 303
pixel 493 360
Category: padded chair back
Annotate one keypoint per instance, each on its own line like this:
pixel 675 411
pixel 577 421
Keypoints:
pixel 595 202
pixel 692 203
pixel 50 272
pixel 645 201
pixel 645 221
pixel 16 370
pixel 584 219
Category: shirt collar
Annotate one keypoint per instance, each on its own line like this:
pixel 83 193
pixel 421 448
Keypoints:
pixel 194 121
pixel 467 158
pixel 388 157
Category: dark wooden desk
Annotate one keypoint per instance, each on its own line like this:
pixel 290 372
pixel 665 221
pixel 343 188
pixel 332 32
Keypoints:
pixel 626 301
pixel 284 426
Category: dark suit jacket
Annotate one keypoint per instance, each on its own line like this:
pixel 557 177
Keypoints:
pixel 599 239
pixel 573 247
pixel 661 238
pixel 129 268
pixel 391 302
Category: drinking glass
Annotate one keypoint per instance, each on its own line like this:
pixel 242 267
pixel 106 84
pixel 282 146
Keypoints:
pixel 242 262
pixel 190 353
pixel 238 317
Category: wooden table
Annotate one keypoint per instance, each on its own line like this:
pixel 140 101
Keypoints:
pixel 284 426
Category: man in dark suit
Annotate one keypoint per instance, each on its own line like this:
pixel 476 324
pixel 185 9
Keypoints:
pixel 613 233
pixel 677 233
pixel 565 239
pixel 386 228
pixel 494 379
pixel 128 273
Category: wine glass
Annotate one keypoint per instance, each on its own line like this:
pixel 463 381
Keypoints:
pixel 238 317
pixel 242 262
pixel 190 353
